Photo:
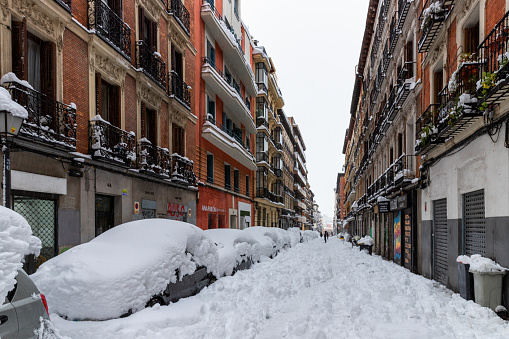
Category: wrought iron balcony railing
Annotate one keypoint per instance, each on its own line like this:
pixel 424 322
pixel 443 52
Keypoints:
pixel 109 26
pixel 393 36
pixel 263 192
pixel 432 17
pixel 493 51
pixel 152 159
pixel 49 121
pixel 426 129
pixel 403 8
pixel 151 63
pixel 262 157
pixel 179 89
pixel 180 12
pixel 182 170
pixel 111 143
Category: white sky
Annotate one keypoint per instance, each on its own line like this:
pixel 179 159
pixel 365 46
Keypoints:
pixel 315 47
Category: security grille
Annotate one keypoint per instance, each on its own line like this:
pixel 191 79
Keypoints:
pixel 440 240
pixel 474 223
pixel 41 216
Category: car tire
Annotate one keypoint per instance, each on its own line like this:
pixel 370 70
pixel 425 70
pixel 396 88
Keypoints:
pixel 154 301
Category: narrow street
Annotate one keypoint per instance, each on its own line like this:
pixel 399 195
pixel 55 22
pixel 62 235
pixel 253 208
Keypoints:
pixel 313 290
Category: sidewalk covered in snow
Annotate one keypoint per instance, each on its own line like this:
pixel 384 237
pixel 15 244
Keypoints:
pixel 313 290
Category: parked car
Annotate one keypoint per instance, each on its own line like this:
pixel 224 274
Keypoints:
pixel 269 241
pixel 237 250
pixel 127 268
pixel 21 310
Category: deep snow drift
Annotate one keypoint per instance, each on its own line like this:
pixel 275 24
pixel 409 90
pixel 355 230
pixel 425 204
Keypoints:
pixel 313 290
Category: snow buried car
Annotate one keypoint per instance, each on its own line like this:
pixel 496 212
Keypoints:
pixel 127 268
pixel 270 244
pixel 237 250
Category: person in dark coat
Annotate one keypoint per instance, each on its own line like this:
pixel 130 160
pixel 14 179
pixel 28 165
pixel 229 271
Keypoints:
pixel 325 236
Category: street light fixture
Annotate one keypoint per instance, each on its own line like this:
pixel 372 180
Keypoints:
pixel 10 124
pixel 355 208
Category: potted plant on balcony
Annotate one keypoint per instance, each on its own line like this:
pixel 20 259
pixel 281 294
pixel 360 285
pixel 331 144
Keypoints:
pixel 430 14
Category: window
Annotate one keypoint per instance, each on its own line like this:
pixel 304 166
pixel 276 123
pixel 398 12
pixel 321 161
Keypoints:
pixel 211 109
pixel 147 30
pixel 471 38
pixel 212 221
pixel 247 184
pixel 107 101
pixel 148 124
pixel 227 177
pixel 236 8
pixel 261 108
pixel 236 180
pixel 438 78
pixel 409 57
pixel 210 168
pixel 261 76
pixel 177 62
pixel 178 140
pixel 211 54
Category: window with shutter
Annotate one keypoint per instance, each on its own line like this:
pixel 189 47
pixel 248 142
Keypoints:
pixel 141 23
pixel 20 49
pixel 48 69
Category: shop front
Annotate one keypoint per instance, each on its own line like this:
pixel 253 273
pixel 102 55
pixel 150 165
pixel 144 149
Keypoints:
pixel 403 231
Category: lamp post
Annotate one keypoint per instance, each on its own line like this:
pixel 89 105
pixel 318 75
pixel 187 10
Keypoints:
pixel 355 207
pixel 10 125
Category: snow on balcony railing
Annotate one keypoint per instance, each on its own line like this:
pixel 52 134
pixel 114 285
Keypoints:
pixel 179 89
pixel 182 170
pixel 152 159
pixel 180 12
pixel 151 63
pixel 49 121
pixel 111 143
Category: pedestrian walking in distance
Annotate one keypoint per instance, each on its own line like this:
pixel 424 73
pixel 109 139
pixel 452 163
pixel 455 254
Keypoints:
pixel 325 236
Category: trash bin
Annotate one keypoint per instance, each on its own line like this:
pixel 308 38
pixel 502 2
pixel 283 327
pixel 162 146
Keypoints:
pixel 466 281
pixel 369 248
pixel 488 288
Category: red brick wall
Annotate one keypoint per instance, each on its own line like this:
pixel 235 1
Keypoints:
pixel 79 12
pixel 426 89
pixel 452 47
pixel 130 19
pixel 75 84
pixel 130 104
pixel 164 126
pixel 495 10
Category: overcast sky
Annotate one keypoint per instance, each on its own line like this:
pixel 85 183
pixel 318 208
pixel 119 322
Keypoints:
pixel 315 47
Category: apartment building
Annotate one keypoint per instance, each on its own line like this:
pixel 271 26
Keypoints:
pixel 339 206
pixel 269 142
pixel 110 132
pixel 381 185
pixel 225 131
pixel 462 136
pixel 287 217
pixel 300 186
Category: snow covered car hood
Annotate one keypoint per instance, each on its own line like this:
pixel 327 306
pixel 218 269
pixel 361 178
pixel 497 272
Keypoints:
pixel 123 268
pixel 233 245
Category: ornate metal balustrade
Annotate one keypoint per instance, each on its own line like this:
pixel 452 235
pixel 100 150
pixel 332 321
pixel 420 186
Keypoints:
pixel 111 143
pixel 109 26
pixel 151 64
pixel 152 159
pixel 49 121
pixel 180 12
pixel 426 129
pixel 403 8
pixel 432 17
pixel 182 170
pixel 179 89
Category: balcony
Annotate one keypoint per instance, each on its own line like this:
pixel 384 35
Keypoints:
pixel 226 39
pixel 297 188
pixel 300 218
pixel 297 174
pixel 228 141
pixel 278 172
pixel 394 33
pixel 152 159
pixel 179 89
pixel 109 26
pixel 432 17
pixel 264 193
pixel 262 157
pixel 226 90
pixel 182 170
pixel 111 143
pixel 180 13
pixel 403 8
pixel 300 204
pixel 151 64
pixel 493 51
pixel 49 121
pixel 426 131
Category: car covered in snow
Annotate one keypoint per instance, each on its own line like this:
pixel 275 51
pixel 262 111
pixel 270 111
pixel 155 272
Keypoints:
pixel 270 244
pixel 237 250
pixel 127 268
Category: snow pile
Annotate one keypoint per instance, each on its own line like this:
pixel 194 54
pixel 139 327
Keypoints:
pixel 11 77
pixel 266 239
pixel 16 241
pixel 309 235
pixel 367 240
pixel 234 247
pixel 366 296
pixel 430 13
pixel 123 268
pixel 295 235
pixel 480 264
pixel 7 104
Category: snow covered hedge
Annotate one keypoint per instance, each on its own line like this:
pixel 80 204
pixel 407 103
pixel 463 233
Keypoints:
pixel 16 241
pixel 123 268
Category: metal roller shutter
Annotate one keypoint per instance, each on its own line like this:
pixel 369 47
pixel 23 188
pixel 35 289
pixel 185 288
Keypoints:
pixel 474 223
pixel 440 240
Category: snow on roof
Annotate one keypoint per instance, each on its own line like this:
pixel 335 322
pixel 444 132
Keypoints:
pixel 16 241
pixel 123 268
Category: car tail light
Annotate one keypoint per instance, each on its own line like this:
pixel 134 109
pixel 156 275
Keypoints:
pixel 43 298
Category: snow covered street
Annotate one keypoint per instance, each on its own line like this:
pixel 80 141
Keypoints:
pixel 313 290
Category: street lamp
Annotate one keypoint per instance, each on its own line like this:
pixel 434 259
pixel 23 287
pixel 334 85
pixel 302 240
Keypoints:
pixel 10 124
pixel 355 207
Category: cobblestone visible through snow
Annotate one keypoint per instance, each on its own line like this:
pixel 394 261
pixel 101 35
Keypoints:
pixel 314 290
